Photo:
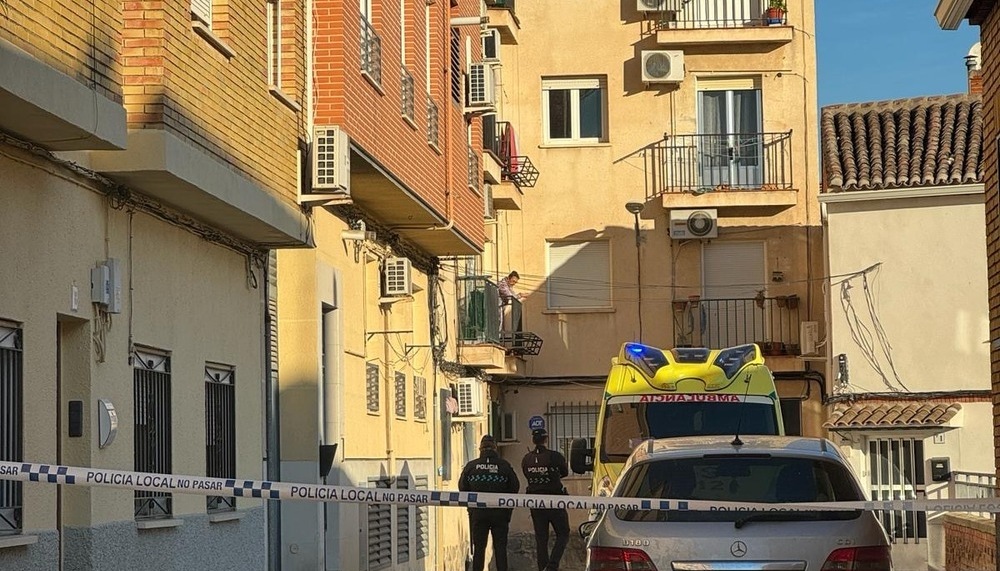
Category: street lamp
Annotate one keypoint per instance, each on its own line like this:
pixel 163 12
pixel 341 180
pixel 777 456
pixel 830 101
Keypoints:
pixel 635 208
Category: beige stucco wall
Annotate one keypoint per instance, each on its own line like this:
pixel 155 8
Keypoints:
pixel 929 291
pixel 188 297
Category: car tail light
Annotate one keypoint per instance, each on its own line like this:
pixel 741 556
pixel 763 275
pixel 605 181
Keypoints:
pixel 616 559
pixel 875 558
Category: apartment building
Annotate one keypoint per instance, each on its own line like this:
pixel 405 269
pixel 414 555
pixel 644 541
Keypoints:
pixel 372 390
pixel 149 166
pixel 676 203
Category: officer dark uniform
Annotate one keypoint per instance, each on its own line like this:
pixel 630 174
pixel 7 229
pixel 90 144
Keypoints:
pixel 489 473
pixel 544 468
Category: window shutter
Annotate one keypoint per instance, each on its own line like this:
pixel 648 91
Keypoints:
pixel 732 269
pixel 202 10
pixel 579 274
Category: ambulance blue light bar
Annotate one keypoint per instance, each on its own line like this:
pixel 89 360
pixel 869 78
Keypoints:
pixel 733 359
pixel 646 359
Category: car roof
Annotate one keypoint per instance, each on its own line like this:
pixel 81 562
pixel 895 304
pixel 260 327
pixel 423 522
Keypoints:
pixel 688 446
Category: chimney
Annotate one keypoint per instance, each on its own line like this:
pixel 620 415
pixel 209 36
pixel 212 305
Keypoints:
pixel 973 66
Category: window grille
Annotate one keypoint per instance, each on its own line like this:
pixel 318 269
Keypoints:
pixel 402 524
pixel 473 170
pixel 401 394
pixel 406 95
pixel 422 523
pixel 420 398
pixel 371 386
pixel 379 530
pixel 896 466
pixel 371 52
pixel 457 76
pixel 151 386
pixel 432 122
pixel 568 421
pixel 11 425
pixel 220 431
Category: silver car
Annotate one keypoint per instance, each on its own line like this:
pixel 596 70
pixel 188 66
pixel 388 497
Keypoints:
pixel 768 469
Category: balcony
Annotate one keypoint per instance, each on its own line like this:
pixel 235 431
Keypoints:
pixel 490 333
pixel 770 322
pixel 721 22
pixel 742 169
pixel 499 142
pixel 503 17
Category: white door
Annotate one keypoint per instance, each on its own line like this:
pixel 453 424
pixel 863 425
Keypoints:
pixel 732 274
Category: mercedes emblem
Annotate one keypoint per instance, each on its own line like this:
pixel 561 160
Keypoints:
pixel 738 549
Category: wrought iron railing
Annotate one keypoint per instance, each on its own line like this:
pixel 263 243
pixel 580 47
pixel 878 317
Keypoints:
pixel 432 122
pixel 506 4
pixel 220 432
pixel 406 94
pixel 371 51
pixel 515 168
pixel 974 485
pixel 11 425
pixel 708 14
pixel 491 135
pixel 771 322
pixel 717 163
pixel 483 319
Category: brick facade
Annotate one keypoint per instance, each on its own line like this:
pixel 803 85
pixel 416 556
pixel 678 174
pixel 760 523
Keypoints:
pixel 371 113
pixel 970 544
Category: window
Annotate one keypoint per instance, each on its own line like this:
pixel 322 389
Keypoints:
pixel 371 386
pixel 420 398
pixel 379 529
pixel 575 110
pixel 220 430
pixel 403 520
pixel 11 424
pixel 151 393
pixel 730 146
pixel 432 122
pixel 457 79
pixel 371 47
pixel 400 395
pixel 733 273
pixel 569 421
pixel 896 469
pixel 201 10
pixel 579 275
pixel 422 523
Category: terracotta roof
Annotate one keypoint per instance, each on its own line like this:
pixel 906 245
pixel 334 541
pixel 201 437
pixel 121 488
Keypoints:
pixel 892 414
pixel 923 141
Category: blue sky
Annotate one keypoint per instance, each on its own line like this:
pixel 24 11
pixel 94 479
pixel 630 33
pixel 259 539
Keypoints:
pixel 869 50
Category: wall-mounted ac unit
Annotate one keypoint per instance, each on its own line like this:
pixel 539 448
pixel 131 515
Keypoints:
pixel 396 280
pixel 662 66
pixel 508 426
pixel 809 338
pixel 469 393
pixel 491 44
pixel 694 224
pixel 330 158
pixel 480 89
pixel 659 5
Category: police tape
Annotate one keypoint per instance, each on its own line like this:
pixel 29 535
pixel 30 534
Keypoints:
pixel 270 490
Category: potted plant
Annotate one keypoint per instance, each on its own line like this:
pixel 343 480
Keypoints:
pixel 775 13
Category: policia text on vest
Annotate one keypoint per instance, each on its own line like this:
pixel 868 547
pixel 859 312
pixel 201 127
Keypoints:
pixel 489 473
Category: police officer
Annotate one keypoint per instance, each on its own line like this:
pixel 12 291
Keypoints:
pixel 489 473
pixel 544 468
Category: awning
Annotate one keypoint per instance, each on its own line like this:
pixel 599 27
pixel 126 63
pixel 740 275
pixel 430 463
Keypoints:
pixel 892 414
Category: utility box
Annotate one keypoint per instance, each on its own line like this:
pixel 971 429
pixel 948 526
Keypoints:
pixel 940 469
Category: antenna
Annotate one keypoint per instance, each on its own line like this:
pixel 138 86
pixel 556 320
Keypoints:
pixel 736 441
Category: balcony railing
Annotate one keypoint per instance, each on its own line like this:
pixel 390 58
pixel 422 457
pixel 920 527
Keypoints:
pixel 371 52
pixel 482 319
pixel 771 322
pixel 979 485
pixel 713 163
pixel 506 4
pixel 708 14
pixel 406 94
pixel 497 140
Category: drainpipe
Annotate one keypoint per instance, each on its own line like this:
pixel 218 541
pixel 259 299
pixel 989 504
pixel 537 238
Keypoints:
pixel 390 413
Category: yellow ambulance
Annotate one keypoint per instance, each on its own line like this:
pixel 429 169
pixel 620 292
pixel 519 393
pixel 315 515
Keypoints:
pixel 689 391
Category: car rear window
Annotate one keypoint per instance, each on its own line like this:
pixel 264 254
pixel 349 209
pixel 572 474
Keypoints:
pixel 738 478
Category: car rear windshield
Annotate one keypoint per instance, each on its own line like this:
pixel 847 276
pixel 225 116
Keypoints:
pixel 739 478
pixel 627 424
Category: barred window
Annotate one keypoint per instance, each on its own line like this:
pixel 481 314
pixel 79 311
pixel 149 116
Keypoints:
pixel 568 421
pixel 151 392
pixel 371 386
pixel 11 424
pixel 420 398
pixel 400 394
pixel 220 430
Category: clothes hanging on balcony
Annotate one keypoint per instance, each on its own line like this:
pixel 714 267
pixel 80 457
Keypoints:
pixel 508 148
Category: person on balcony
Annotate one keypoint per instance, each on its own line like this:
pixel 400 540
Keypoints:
pixel 507 295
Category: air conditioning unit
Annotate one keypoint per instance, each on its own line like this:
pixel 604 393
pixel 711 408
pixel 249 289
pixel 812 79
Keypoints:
pixel 508 426
pixel 330 157
pixel 662 66
pixel 480 89
pixel 659 5
pixel 396 279
pixel 491 44
pixel 469 393
pixel 694 224
pixel 809 338
pixel 489 211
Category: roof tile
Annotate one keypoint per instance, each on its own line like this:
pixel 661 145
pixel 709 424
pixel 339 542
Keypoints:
pixel 894 414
